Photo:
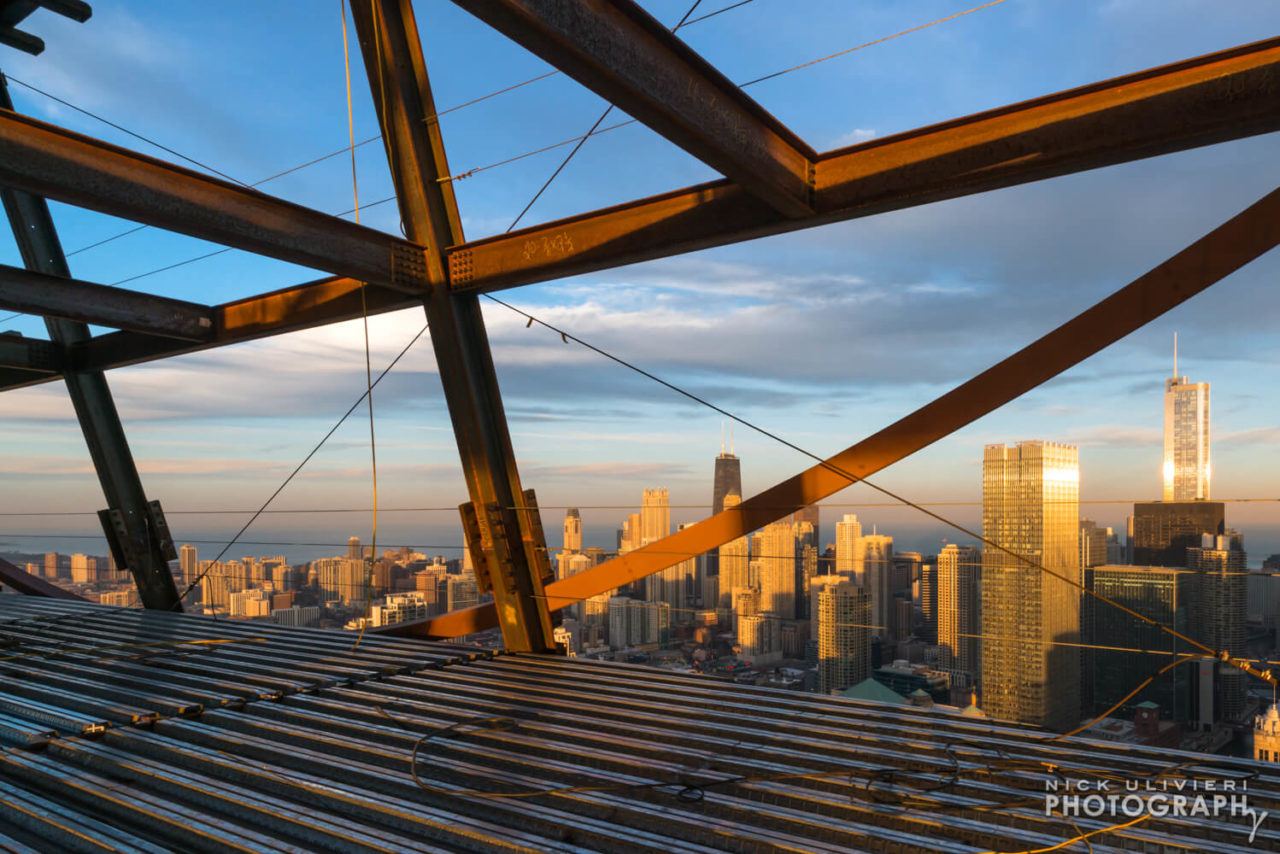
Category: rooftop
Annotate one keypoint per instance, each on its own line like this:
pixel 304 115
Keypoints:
pixel 143 729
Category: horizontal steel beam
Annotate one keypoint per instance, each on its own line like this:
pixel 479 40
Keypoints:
pixel 35 357
pixel 53 296
pixel 1211 99
pixel 49 161
pixel 290 309
pixel 623 54
pixel 1240 240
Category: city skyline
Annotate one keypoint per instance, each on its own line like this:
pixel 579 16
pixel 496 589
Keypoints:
pixel 915 284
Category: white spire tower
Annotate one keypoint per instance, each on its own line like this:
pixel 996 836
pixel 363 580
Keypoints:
pixel 1186 471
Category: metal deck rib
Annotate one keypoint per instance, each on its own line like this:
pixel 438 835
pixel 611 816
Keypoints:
pixel 291 740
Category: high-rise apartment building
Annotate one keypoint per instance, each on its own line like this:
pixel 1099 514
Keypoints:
pixel 188 563
pixel 629 538
pixel 841 619
pixel 354 552
pixel 777 559
pixel 1030 619
pixel 1186 471
pixel 1218 616
pixel 848 556
pixel 877 577
pixel 655 515
pixel 760 637
pixel 926 593
pixel 84 569
pixel 572 530
pixel 959 609
pixel 675 586
pixel 51 565
pixel 734 559
pixel 1093 543
pixel 461 592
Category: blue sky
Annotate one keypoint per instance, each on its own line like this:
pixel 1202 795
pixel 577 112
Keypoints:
pixel 823 336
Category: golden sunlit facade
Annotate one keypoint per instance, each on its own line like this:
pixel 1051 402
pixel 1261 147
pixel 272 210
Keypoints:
pixel 1030 506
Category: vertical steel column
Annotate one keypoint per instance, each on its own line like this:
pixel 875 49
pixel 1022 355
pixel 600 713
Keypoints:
pixel 37 239
pixel 397 75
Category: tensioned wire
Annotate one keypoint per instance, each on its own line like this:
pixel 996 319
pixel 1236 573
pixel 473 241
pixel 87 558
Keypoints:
pixel 830 505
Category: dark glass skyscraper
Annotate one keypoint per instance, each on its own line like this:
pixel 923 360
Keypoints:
pixel 728 479
pixel 1164 530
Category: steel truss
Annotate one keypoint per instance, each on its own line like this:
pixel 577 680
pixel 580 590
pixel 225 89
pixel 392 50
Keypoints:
pixel 774 183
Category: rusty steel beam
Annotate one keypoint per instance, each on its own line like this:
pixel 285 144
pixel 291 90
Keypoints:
pixel 49 161
pixel 53 296
pixel 1210 99
pixel 1196 102
pixel 397 75
pixel 139 535
pixel 1224 250
pixel 290 309
pixel 32 585
pixel 625 56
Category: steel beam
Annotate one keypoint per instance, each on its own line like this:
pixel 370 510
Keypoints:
pixel 625 56
pixel 1214 98
pixel 45 160
pixel 32 585
pixel 1211 99
pixel 397 74
pixel 32 356
pixel 70 299
pixel 37 239
pixel 1240 240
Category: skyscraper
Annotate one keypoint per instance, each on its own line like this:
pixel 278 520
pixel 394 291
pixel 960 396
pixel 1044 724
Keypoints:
pixel 1160 593
pixel 629 539
pixel 674 586
pixel 959 611
pixel 572 530
pixel 848 557
pixel 727 481
pixel 777 558
pixel 734 561
pixel 188 562
pixel 655 515
pixel 1030 619
pixel 1164 530
pixel 354 552
pixel 1218 615
pixel 728 477
pixel 1186 468
pixel 841 616
pixel 1093 544
pixel 877 578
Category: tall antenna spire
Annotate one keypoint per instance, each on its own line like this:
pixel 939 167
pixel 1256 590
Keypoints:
pixel 722 438
pixel 1175 355
pixel 730 439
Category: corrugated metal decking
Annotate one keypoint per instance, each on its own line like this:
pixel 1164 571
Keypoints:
pixel 121 733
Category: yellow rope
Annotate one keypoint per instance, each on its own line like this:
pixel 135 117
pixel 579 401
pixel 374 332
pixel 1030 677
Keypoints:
pixel 364 313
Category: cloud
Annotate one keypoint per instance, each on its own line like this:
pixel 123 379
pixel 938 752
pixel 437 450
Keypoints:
pixel 854 137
